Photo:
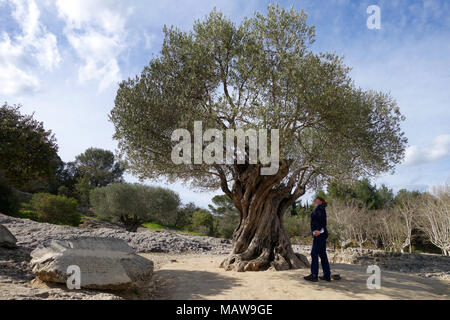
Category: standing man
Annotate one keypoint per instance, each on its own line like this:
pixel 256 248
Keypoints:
pixel 319 247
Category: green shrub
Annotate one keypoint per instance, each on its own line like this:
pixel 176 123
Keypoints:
pixel 133 204
pixel 9 201
pixel 56 209
pixel 297 226
pixel 203 222
pixel 226 224
pixel 28 214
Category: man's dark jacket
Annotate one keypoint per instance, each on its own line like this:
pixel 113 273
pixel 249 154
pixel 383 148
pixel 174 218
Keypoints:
pixel 319 219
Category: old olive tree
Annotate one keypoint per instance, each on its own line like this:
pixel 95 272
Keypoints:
pixel 261 73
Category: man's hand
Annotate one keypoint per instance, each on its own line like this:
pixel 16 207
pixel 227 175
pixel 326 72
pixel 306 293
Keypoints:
pixel 316 233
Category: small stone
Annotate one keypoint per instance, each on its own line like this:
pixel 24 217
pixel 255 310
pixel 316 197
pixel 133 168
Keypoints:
pixel 7 239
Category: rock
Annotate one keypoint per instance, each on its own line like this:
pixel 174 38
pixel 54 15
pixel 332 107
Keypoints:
pixel 105 263
pixel 303 259
pixel 7 239
pixel 98 224
pixel 31 233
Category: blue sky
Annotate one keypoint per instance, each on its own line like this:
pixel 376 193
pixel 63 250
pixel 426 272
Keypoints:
pixel 63 60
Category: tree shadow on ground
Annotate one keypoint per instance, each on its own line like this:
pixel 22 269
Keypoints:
pixel 394 285
pixel 183 284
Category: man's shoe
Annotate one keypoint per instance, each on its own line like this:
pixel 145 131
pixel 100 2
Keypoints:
pixel 326 279
pixel 311 277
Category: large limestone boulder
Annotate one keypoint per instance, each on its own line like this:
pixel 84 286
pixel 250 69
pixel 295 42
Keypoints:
pixel 105 263
pixel 7 239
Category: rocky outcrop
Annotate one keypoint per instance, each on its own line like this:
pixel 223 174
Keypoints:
pixel 104 263
pixel 7 239
pixel 30 234
pixel 98 224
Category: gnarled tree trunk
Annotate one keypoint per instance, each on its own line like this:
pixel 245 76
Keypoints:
pixel 260 241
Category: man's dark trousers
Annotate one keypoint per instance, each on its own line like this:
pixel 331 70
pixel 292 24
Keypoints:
pixel 319 249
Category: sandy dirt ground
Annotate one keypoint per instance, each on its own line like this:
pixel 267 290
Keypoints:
pixel 199 277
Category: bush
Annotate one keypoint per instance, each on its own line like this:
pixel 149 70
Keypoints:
pixel 56 209
pixel 9 201
pixel 183 216
pixel 297 226
pixel 203 222
pixel 226 224
pixel 133 204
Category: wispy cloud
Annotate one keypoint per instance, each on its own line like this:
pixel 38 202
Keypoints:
pixel 22 55
pixel 439 149
pixel 96 30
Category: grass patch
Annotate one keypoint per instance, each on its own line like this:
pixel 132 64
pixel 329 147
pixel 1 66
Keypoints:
pixel 155 226
pixel 89 218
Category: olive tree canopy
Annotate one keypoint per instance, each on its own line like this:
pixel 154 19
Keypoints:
pixel 261 73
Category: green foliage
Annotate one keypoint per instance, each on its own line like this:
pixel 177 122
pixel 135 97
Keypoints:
pixel 133 204
pixel 153 226
pixel 56 209
pixel 9 201
pixel 363 191
pixel 99 167
pixel 298 208
pixel 261 73
pixel 83 190
pixel 184 216
pixel 226 215
pixel 63 191
pixel 222 205
pixel 28 152
pixel 203 222
pixel 404 195
pixel 297 226
pixel 95 168
pixel 226 225
pixel 26 212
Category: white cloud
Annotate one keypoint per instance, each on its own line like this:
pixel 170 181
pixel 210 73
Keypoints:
pixel 14 80
pixel 96 30
pixel 21 55
pixel 439 149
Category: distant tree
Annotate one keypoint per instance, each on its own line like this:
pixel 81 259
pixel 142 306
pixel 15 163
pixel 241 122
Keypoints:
pixel 28 152
pixel 99 166
pixel 67 177
pixel 341 214
pixel 95 168
pixel 184 215
pixel 363 191
pixel 133 204
pixel 404 195
pixel 384 198
pixel 259 74
pixel 221 205
pixel 227 215
pixel 297 226
pixel 360 225
pixel 434 218
pixel 203 222
pixel 394 231
pixel 407 208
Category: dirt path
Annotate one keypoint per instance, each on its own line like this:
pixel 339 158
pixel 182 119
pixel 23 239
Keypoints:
pixel 199 277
